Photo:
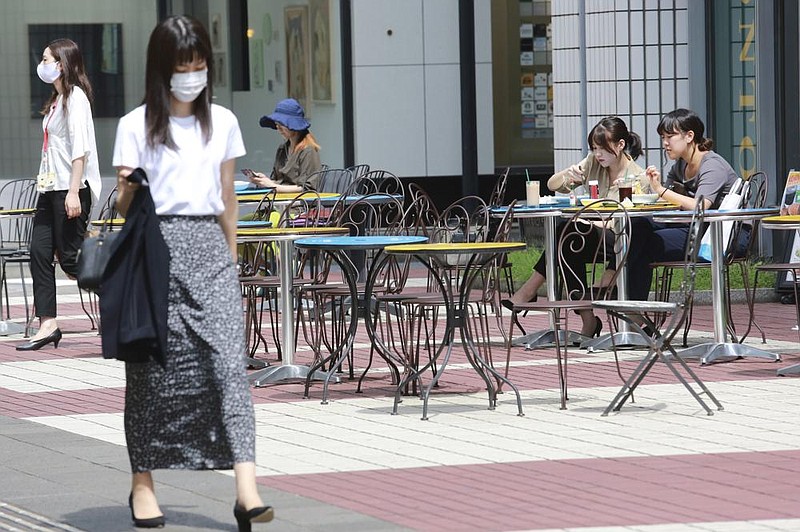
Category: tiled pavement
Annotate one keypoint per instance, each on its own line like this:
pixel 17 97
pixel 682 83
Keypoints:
pixel 659 465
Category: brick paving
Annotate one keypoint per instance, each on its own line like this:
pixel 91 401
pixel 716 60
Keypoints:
pixel 659 465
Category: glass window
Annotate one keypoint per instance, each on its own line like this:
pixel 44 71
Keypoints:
pixel 523 82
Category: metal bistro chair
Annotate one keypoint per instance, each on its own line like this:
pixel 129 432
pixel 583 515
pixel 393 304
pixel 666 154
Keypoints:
pixel 635 314
pixel 394 330
pixel 377 182
pixel 15 235
pixel 497 199
pixel 583 253
pixel 325 302
pixel 465 220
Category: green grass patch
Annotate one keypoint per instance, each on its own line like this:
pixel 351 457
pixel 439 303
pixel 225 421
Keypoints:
pixel 523 261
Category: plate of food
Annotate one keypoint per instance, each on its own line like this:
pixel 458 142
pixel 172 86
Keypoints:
pixel 644 199
pixel 598 202
pixel 554 200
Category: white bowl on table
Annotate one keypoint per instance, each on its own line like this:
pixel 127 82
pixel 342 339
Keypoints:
pixel 644 199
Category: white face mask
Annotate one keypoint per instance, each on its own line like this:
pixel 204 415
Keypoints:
pixel 187 86
pixel 48 72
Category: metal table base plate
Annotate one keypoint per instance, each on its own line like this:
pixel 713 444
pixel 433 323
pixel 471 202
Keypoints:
pixel 546 338
pixel 710 352
pixel 285 372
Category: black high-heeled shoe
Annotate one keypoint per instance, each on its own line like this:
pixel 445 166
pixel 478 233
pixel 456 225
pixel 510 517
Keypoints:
pixel 598 326
pixel 507 303
pixel 245 518
pixel 35 345
pixel 150 522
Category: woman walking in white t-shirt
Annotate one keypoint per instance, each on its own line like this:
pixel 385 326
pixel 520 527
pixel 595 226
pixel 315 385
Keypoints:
pixel 68 181
pixel 196 412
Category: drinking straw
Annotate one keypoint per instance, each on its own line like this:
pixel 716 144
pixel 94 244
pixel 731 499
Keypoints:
pixel 527 175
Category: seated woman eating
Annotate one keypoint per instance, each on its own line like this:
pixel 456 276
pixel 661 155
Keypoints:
pixel 697 172
pixel 613 149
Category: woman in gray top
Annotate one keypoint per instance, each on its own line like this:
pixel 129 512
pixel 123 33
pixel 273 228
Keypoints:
pixel 697 172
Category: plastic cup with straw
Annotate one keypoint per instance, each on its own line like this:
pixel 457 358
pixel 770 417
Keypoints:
pixel 531 191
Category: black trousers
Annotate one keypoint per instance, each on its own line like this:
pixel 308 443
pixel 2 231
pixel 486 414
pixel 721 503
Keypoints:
pixel 54 235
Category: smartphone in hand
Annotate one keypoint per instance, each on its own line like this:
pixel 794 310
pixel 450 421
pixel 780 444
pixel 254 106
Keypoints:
pixel 248 173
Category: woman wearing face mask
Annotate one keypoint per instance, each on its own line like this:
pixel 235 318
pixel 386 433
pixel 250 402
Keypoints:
pixel 613 150
pixel 297 160
pixel 698 172
pixel 68 181
pixel 196 412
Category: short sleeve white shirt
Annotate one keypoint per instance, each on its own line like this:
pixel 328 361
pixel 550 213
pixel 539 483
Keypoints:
pixel 70 136
pixel 185 181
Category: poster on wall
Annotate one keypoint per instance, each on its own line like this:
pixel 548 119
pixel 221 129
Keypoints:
pixel 297 51
pixel 321 87
pixel 257 62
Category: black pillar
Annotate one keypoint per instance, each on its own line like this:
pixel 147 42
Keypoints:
pixel 469 127
pixel 239 45
pixel 348 137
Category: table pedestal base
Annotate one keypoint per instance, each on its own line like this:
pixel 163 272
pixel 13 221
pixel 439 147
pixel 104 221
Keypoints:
pixel 789 370
pixel 287 372
pixel 546 338
pixel 619 339
pixel 8 328
pixel 708 353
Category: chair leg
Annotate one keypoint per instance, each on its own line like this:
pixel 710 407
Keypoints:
pixel 694 377
pixel 90 311
pixel 751 301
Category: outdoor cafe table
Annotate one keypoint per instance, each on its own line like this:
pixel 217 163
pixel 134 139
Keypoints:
pixel 6 326
pixel 784 223
pixel 456 301
pixel 720 347
pixel 285 237
pixel 338 247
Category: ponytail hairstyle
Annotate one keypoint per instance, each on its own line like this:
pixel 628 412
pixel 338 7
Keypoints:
pixel 175 41
pixel 73 73
pixel 609 131
pixel 683 121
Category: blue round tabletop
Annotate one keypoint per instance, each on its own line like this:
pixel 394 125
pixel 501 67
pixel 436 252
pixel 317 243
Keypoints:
pixel 242 191
pixel 253 223
pixel 357 242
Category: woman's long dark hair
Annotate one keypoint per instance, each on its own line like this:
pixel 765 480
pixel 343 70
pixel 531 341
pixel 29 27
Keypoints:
pixel 73 73
pixel 175 41
pixel 609 131
pixel 683 121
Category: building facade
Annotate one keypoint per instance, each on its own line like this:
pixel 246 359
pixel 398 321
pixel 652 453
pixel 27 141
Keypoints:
pixel 447 92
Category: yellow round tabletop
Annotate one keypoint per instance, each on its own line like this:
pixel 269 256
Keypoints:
pixel 16 212
pixel 785 219
pixel 284 196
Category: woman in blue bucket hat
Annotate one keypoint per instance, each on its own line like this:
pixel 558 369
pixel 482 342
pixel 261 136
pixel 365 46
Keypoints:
pixel 297 160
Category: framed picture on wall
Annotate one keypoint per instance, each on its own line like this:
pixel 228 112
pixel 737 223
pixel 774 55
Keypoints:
pixel 297 53
pixel 321 86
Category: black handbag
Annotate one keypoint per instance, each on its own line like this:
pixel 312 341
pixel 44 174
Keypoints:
pixel 93 259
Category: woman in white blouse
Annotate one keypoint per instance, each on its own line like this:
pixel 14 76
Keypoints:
pixel 196 412
pixel 68 181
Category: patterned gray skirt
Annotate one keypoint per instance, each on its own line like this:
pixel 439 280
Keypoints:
pixel 197 413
